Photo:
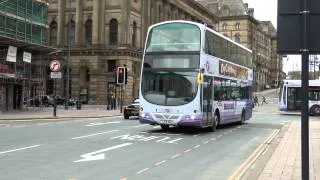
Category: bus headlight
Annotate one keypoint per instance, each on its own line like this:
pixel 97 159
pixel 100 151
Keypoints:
pixel 192 117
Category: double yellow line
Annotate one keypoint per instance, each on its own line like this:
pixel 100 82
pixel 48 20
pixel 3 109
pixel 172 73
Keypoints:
pixel 253 157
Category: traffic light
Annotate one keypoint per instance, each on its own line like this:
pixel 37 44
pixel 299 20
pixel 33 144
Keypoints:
pixel 126 76
pixel 121 75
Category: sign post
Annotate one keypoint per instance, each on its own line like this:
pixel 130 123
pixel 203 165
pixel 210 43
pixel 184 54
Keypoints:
pixel 55 74
pixel 298 28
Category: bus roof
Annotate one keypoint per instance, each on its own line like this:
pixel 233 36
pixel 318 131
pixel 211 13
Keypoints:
pixel 298 82
pixel 203 27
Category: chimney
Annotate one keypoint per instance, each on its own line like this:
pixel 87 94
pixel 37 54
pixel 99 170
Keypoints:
pixel 251 12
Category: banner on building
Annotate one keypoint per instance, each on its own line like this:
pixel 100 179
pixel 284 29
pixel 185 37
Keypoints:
pixel 12 54
pixel 27 57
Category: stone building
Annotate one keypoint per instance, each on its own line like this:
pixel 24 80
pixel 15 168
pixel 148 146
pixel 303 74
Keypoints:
pixel 23 41
pixel 237 22
pixel 106 34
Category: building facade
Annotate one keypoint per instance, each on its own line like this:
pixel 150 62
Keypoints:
pixel 97 36
pixel 237 22
pixel 23 42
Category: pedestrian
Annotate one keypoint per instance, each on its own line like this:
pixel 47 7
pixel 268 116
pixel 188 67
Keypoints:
pixel 263 100
pixel 256 101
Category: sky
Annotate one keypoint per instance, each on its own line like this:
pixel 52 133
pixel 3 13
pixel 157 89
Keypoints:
pixel 266 10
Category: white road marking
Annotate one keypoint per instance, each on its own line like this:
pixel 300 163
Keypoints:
pixel 142 170
pixel 155 127
pixel 195 135
pixel 161 162
pixel 141 125
pixel 90 135
pixel 206 142
pixel 19 149
pixel 195 147
pixel 212 139
pixel 175 156
pixel 100 123
pixel 219 136
pixel 188 150
pixel 99 154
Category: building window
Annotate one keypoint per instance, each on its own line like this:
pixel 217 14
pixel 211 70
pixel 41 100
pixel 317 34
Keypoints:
pixel 237 26
pixel 53 33
pixel 88 32
pixel 134 34
pixel 237 37
pixel 224 26
pixel 113 32
pixel 111 66
pixel 71 32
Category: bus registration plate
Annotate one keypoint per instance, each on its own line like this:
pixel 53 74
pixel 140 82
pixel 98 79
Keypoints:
pixel 166 121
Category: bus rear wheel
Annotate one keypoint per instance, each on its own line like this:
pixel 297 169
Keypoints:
pixel 315 110
pixel 164 127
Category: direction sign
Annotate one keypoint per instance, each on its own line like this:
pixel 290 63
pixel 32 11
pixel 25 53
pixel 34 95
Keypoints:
pixel 55 65
pixel 56 75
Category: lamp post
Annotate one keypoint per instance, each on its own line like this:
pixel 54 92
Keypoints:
pixel 66 101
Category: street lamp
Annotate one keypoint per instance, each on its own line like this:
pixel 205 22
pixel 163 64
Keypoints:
pixel 66 105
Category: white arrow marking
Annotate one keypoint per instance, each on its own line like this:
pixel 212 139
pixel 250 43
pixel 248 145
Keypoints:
pixel 100 123
pixel 92 157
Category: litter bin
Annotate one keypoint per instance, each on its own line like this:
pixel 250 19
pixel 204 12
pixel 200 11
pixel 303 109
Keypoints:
pixel 78 105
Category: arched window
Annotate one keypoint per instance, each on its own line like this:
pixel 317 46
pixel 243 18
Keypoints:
pixel 88 31
pixel 113 32
pixel 237 37
pixel 134 34
pixel 53 33
pixel 224 26
pixel 71 32
pixel 237 26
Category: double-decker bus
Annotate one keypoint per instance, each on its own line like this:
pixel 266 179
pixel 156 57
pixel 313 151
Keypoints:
pixel 193 76
pixel 290 96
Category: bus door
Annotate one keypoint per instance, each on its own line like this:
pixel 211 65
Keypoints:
pixel 293 100
pixel 207 100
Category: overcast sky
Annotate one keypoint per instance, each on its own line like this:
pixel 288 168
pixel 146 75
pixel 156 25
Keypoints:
pixel 266 10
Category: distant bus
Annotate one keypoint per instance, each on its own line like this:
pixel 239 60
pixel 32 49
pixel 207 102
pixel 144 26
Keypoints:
pixel 290 96
pixel 193 76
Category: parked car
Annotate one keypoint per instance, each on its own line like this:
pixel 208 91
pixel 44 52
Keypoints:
pixel 132 109
pixel 61 100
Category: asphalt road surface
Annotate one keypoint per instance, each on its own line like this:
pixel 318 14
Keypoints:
pixel 114 148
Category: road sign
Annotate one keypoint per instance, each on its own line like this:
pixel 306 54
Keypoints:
pixel 55 65
pixel 56 75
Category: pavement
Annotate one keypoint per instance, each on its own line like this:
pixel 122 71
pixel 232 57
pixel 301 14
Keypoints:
pixel 37 113
pixel 285 162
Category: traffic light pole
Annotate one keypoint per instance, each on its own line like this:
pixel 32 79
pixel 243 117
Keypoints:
pixel 121 98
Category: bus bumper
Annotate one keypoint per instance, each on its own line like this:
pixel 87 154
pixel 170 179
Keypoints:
pixel 187 120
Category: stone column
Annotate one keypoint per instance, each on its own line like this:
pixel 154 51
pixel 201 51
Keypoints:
pixel 144 21
pixel 79 24
pixel 95 23
pixel 102 23
pixel 61 23
pixel 125 21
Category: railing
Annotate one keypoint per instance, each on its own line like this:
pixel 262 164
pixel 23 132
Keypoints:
pixel 24 31
pixel 27 9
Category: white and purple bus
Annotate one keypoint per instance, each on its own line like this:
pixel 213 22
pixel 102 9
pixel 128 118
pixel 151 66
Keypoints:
pixel 290 96
pixel 193 76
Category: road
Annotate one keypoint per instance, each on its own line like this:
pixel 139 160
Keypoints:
pixel 114 148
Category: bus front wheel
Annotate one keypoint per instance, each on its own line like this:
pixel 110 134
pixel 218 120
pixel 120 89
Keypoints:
pixel 215 123
pixel 315 110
